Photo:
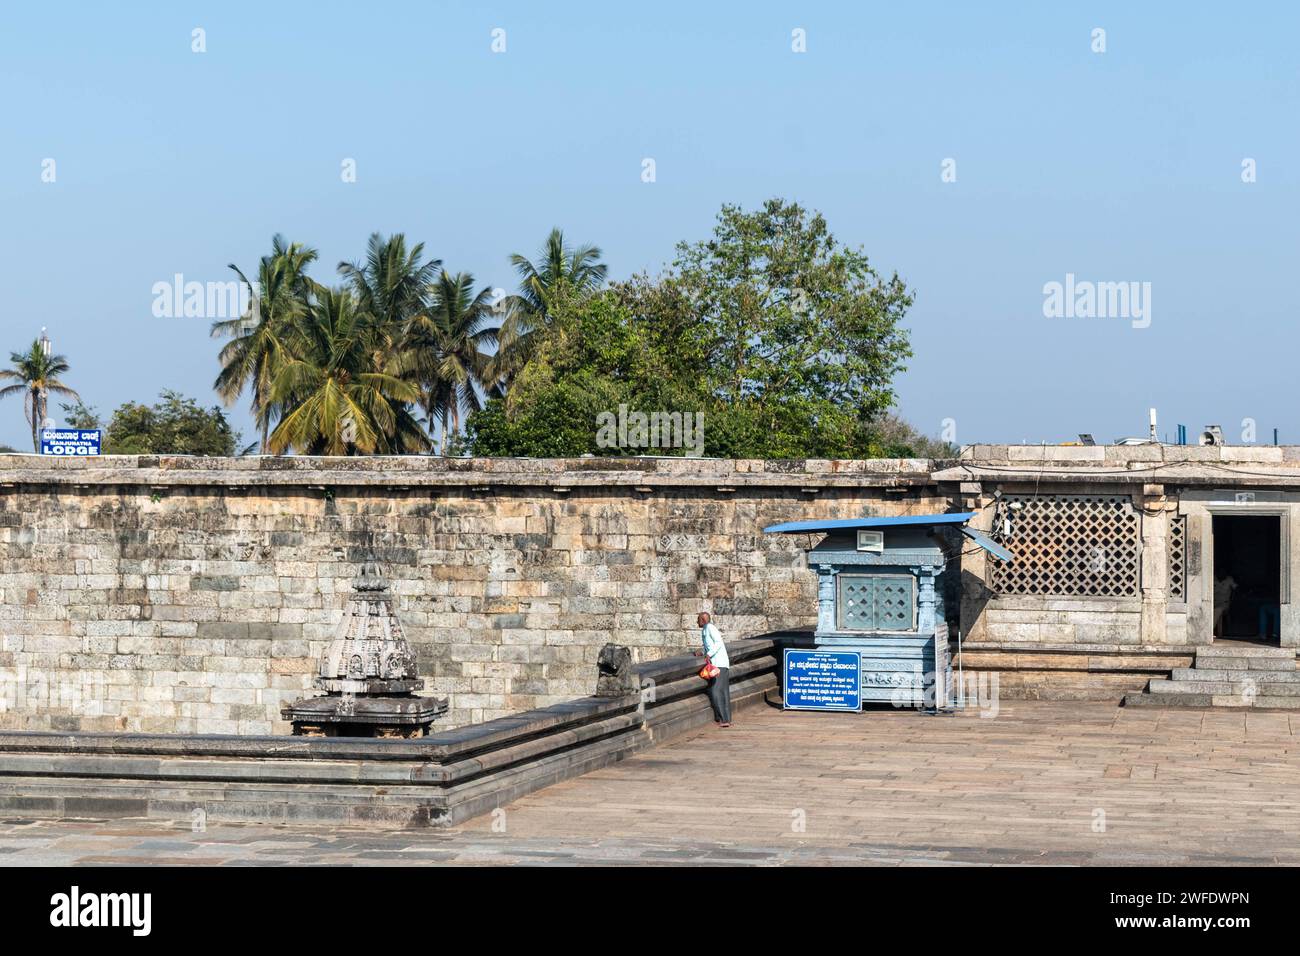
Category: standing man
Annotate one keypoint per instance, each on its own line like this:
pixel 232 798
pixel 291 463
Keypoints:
pixel 716 651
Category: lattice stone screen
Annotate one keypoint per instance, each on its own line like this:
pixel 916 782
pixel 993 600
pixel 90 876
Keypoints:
pixel 1178 558
pixel 1070 546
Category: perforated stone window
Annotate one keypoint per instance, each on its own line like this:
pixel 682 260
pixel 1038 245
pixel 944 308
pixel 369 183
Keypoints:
pixel 876 602
pixel 1178 558
pixel 1070 546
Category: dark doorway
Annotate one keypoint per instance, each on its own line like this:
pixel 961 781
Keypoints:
pixel 1247 577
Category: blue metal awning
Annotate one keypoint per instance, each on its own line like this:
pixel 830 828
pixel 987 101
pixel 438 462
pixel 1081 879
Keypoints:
pixel 842 524
pixel 897 521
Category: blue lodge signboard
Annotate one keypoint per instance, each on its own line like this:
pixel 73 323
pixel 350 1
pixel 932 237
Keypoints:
pixel 822 680
pixel 70 442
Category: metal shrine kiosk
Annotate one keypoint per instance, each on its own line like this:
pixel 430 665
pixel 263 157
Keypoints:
pixel 888 589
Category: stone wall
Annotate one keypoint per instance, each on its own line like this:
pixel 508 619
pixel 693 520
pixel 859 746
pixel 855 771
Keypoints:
pixel 194 595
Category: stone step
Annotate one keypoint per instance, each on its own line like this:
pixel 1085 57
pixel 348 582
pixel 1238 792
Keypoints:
pixel 1214 701
pixel 1238 649
pixel 1227 673
pixel 1227 663
pixel 1220 687
pixel 1168 700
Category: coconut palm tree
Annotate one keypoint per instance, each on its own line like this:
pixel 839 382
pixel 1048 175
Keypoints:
pixel 446 343
pixel 36 373
pixel 559 268
pixel 335 399
pixel 392 284
pixel 253 355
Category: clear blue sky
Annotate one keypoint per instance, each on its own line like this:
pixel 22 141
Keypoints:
pixel 1117 166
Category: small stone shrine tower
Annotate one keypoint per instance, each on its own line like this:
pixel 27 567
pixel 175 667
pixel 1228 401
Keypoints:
pixel 368 674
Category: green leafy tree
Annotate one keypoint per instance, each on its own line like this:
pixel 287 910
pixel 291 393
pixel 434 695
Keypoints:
pixel 786 341
pixel 35 375
pixel 175 425
pixel 80 415
pixel 591 359
pixel 898 439
pixel 596 355
pixel 792 316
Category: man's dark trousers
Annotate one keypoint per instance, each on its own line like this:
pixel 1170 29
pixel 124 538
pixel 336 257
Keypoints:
pixel 720 696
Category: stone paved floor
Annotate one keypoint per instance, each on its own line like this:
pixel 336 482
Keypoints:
pixel 1033 785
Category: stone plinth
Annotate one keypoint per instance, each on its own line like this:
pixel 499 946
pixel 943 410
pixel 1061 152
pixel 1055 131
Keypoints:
pixel 360 716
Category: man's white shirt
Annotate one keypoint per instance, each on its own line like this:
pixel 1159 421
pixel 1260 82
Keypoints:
pixel 716 651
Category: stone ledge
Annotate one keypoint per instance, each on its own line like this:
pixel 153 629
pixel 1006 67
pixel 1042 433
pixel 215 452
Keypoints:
pixel 422 471
pixel 442 747
pixel 1016 647
pixel 1150 664
pixel 1067 605
pixel 1057 685
pixel 1070 672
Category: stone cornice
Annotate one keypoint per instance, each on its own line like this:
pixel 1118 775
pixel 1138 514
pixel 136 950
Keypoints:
pixel 558 474
pixel 1185 465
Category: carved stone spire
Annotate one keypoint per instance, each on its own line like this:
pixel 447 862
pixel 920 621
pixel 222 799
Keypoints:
pixel 368 673
pixel 369 653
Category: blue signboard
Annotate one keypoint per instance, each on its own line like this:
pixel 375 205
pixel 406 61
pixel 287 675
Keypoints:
pixel 823 680
pixel 70 442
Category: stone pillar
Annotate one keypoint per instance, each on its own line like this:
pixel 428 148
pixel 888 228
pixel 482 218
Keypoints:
pixel 825 599
pixel 1289 612
pixel 1153 507
pixel 1199 585
pixel 974 567
pixel 925 601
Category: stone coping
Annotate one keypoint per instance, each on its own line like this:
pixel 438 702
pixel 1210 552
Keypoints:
pixel 1206 465
pixel 443 747
pixel 415 471
pixel 687 665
